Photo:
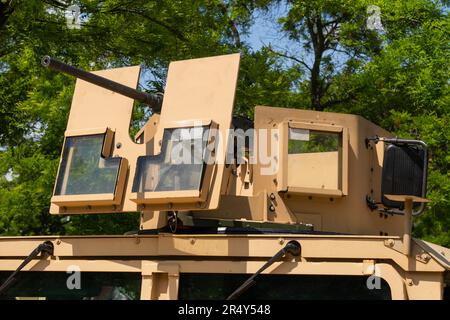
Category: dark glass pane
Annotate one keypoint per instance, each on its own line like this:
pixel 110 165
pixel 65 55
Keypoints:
pixel 83 170
pixel 93 286
pixel 306 141
pixel 281 287
pixel 179 166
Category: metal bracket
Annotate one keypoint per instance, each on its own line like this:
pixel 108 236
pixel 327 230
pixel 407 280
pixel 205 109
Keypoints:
pixel 423 257
pixel 398 246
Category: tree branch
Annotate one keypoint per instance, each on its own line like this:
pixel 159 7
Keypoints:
pixel 56 3
pixel 6 9
pixel 330 103
pixel 169 28
pixel 285 55
pixel 232 24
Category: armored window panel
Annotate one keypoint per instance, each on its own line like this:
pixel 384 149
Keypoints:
pixel 87 174
pixel 83 170
pixel 314 156
pixel 314 160
pixel 179 170
pixel 178 167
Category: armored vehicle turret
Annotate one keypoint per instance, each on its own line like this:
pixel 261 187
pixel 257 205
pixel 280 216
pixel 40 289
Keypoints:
pixel 318 203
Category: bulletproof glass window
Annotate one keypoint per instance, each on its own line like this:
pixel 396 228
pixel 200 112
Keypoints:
pixel 84 170
pixel 181 164
pixel 314 159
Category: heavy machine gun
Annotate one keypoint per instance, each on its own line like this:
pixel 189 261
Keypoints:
pixel 152 100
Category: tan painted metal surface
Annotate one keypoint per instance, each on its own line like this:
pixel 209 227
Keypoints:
pixel 407 277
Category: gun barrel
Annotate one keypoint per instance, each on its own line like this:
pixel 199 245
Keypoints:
pixel 153 101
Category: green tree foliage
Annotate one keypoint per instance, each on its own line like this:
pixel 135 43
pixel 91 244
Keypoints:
pixel 396 77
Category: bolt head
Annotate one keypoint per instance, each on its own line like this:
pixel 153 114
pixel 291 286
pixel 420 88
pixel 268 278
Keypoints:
pixel 425 256
pixel 389 243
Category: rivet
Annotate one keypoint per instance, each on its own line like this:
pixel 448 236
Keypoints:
pixel 272 208
pixel 281 241
pixel 192 241
pixel 272 196
pixel 118 145
pixel 58 242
